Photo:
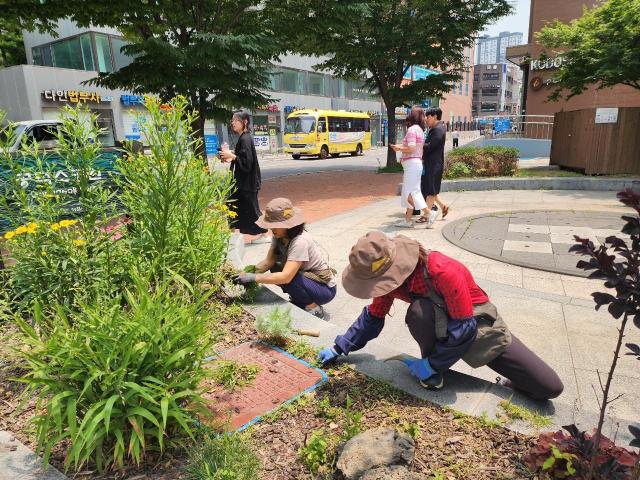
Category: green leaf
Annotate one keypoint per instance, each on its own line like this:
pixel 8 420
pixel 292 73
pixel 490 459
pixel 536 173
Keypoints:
pixel 548 463
pixel 164 407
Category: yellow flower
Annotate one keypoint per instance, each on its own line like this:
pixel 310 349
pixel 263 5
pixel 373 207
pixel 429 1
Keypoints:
pixel 21 229
pixel 55 227
pixel 78 242
pixel 9 235
pixel 32 227
pixel 68 223
pixel 232 214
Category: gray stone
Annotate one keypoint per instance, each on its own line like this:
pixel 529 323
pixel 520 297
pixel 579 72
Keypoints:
pixel 380 447
pixel 17 462
pixel 392 473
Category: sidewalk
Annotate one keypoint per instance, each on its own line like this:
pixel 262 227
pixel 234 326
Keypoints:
pixel 552 313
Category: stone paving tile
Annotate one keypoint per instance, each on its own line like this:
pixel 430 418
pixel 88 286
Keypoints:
pixel 533 258
pixel 17 462
pixel 531 237
pixel 567 262
pixel 543 284
pixel 577 289
pixel 483 245
pixel 528 228
pixel 590 392
pixel 526 247
pixel 587 357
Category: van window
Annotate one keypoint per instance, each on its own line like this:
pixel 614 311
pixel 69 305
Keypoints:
pixel 45 135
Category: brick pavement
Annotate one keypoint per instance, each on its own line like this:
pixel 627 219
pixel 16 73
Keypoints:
pixel 325 194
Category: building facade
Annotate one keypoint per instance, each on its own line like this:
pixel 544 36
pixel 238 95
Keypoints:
pixel 496 90
pixel 538 74
pixel 457 104
pixel 491 50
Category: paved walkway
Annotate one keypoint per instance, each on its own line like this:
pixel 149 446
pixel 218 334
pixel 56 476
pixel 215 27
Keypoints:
pixel 551 312
pixel 535 239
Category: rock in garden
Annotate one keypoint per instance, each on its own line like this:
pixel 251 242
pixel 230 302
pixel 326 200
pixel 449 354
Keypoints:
pixel 380 447
pixel 392 473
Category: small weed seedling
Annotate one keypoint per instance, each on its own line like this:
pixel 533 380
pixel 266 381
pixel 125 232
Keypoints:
pixel 518 412
pixel 558 456
pixel 325 410
pixel 224 457
pixel 275 325
pixel 231 374
pixel 352 421
pixel 301 349
pixel 315 454
pixel 411 429
pixel 485 421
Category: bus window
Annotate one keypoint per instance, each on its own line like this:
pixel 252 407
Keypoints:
pixel 367 125
pixel 322 125
pixel 300 124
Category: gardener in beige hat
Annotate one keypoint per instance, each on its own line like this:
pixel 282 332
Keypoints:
pixel 449 316
pixel 295 261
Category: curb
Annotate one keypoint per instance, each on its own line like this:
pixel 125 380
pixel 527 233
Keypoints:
pixel 542 183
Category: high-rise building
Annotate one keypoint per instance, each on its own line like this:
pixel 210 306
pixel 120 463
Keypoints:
pixel 496 90
pixel 490 50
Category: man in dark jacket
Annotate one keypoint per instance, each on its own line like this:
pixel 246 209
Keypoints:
pixel 433 160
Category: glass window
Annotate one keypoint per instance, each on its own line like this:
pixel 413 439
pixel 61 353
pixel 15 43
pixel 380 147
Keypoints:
pixel 367 125
pixel 120 59
pixel 67 54
pixel 300 124
pixel 274 80
pixel 103 49
pixel 46 56
pixel 302 82
pixel 87 52
pixel 316 84
pixel 37 55
pixel 289 81
pixel 342 88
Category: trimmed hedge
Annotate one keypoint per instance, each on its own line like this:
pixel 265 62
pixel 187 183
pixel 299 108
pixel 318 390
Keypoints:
pixel 481 162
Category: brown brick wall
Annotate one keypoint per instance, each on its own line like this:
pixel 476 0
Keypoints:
pixel 543 11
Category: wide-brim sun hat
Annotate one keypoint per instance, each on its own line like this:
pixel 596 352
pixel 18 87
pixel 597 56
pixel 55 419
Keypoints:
pixel 379 264
pixel 280 213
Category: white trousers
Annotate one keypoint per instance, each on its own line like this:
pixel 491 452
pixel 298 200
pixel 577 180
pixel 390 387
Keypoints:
pixel 411 184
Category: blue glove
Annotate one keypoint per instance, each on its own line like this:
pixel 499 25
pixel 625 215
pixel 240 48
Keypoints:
pixel 243 277
pixel 327 355
pixel 419 368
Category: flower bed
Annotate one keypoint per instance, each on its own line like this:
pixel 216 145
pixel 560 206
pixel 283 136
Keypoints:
pixel 481 162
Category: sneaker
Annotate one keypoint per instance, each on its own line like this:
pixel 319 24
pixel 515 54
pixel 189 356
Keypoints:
pixel 262 238
pixel 404 223
pixel 316 312
pixel 434 382
pixel 433 214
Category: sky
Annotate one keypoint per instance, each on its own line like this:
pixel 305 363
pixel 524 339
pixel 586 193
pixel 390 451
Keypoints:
pixel 518 22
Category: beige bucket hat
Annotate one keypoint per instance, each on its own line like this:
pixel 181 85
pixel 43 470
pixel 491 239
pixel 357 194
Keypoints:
pixel 280 213
pixel 379 264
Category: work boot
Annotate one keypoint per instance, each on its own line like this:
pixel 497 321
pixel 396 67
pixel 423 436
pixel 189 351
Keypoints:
pixel 434 382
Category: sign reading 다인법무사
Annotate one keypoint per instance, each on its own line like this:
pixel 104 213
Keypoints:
pixel 606 115
pixel 75 96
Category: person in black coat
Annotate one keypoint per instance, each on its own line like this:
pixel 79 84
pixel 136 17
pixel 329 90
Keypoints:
pixel 433 160
pixel 246 173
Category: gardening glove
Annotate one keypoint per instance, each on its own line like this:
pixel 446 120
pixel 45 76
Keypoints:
pixel 327 355
pixel 243 277
pixel 420 368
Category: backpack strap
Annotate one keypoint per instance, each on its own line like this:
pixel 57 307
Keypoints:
pixel 439 305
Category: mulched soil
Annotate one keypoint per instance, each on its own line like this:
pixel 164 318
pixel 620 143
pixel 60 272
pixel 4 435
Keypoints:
pixel 457 447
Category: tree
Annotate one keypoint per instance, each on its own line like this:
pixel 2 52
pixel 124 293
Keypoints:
pixel 11 46
pixel 216 53
pixel 600 48
pixel 379 40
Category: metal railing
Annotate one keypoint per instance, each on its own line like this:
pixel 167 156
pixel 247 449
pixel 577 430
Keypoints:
pixel 519 126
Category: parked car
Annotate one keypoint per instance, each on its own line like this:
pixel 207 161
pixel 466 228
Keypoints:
pixel 56 170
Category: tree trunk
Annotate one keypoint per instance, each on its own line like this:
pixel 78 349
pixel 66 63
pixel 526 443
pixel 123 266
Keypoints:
pixel 198 132
pixel 391 131
pixel 605 399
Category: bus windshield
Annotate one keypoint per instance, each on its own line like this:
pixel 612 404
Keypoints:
pixel 301 124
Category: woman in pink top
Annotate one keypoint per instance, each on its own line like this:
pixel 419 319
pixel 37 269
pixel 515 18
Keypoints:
pixel 411 197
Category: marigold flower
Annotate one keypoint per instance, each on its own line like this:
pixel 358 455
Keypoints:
pixel 32 227
pixel 9 235
pixel 79 242
pixel 67 223
pixel 55 227
pixel 21 229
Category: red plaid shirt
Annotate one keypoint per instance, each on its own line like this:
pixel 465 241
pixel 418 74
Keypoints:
pixel 449 277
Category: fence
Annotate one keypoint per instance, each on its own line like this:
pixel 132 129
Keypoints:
pixel 597 148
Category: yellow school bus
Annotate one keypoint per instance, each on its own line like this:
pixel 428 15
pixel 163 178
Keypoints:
pixel 326 132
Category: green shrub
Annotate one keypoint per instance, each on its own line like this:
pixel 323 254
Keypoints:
pixel 60 260
pixel 494 161
pixel 224 457
pixel 122 379
pixel 275 325
pixel 458 170
pixel 178 210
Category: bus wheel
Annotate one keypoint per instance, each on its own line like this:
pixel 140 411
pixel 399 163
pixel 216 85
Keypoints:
pixel 358 151
pixel 324 152
pixel 296 156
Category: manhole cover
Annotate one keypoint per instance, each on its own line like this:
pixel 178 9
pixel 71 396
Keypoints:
pixel 281 379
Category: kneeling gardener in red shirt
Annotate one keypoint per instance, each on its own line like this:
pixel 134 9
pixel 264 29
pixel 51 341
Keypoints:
pixel 450 316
